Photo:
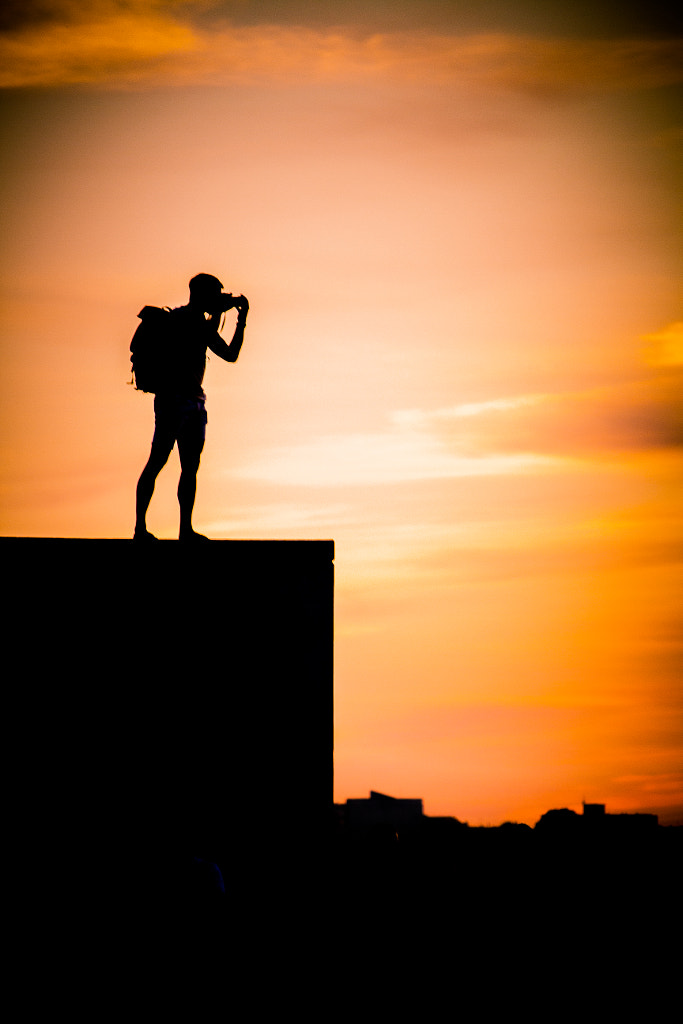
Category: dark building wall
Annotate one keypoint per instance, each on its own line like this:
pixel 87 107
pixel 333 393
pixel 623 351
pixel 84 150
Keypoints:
pixel 380 809
pixel 170 697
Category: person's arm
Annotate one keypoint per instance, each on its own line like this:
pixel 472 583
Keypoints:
pixel 226 351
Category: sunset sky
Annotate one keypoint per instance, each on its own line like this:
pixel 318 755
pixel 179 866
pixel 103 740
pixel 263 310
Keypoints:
pixel 459 228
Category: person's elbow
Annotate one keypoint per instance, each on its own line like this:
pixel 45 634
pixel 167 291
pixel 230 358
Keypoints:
pixel 224 352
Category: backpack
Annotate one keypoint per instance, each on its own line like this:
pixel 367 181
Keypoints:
pixel 150 348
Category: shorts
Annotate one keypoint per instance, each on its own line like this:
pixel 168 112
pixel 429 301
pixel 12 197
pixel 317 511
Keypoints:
pixel 179 419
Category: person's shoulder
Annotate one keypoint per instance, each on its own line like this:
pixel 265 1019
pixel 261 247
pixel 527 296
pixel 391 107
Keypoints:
pixel 188 315
pixel 182 319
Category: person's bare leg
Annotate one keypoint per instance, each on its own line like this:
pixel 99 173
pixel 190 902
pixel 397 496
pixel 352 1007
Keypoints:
pixel 145 489
pixel 187 489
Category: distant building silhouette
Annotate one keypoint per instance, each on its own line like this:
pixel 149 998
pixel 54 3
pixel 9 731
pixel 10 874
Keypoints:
pixel 393 817
pixel 382 819
pixel 378 819
pixel 595 820
pixel 382 810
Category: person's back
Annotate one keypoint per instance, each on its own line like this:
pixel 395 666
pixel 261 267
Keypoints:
pixel 189 336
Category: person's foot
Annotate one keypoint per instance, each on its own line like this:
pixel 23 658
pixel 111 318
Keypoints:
pixel 143 535
pixel 192 535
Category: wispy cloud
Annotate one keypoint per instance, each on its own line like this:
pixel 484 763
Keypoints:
pixel 112 47
pixel 417 417
pixel 280 519
pixel 632 416
pixel 532 433
pixel 150 43
pixel 401 454
pixel 665 347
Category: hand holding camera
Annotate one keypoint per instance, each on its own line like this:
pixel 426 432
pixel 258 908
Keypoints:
pixel 226 300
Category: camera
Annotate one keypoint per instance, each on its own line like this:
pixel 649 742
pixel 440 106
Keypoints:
pixel 226 300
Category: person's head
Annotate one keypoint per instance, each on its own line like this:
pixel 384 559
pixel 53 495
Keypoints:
pixel 205 290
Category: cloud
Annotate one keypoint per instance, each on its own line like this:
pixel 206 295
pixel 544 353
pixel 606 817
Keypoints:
pixel 402 454
pixel 110 50
pixel 417 417
pixel 279 518
pixel 519 434
pixel 665 347
pixel 119 44
pixel 635 416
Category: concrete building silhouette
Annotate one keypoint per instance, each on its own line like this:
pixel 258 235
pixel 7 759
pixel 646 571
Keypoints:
pixel 593 812
pixel 381 812
pixel 171 700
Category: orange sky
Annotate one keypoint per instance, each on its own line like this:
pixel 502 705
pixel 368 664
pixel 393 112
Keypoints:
pixel 460 237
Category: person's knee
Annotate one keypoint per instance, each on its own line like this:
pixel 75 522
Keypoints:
pixel 158 457
pixel 189 470
pixel 189 458
pixel 152 469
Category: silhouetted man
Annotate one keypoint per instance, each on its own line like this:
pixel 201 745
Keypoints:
pixel 179 409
